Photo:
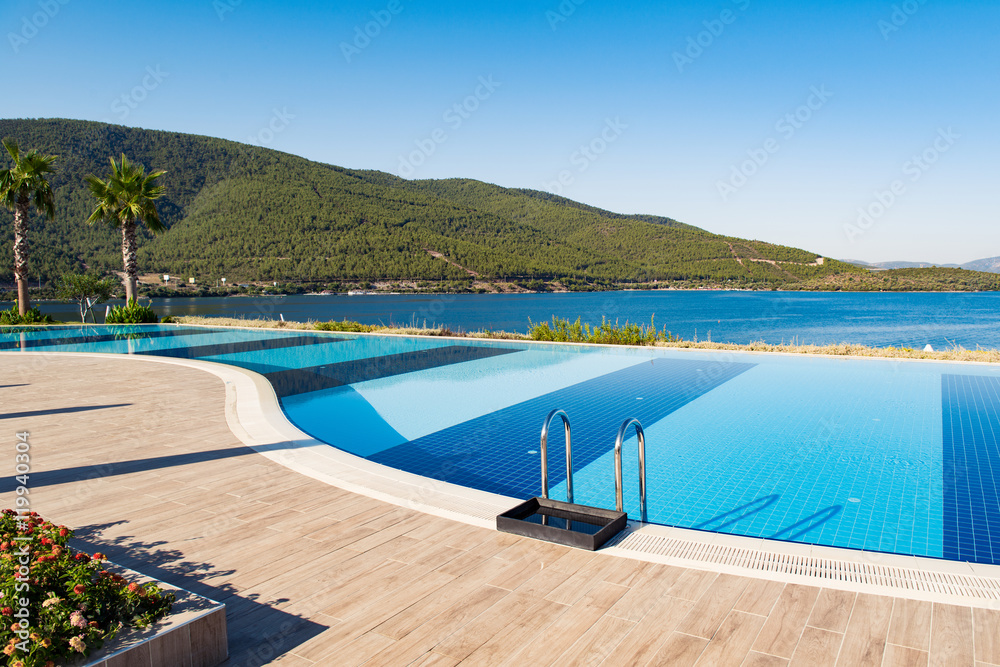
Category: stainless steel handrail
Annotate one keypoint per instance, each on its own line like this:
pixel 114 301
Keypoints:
pixel 545 455
pixel 619 499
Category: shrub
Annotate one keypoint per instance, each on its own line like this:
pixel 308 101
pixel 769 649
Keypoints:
pixel 32 316
pixel 131 313
pixel 353 327
pixel 70 605
pixel 563 331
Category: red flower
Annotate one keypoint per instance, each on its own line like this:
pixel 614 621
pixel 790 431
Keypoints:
pixel 7 611
pixel 83 557
pixel 132 588
pixel 79 589
pixel 63 532
pixel 100 556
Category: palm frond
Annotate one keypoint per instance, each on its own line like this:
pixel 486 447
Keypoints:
pixel 12 149
pixel 126 197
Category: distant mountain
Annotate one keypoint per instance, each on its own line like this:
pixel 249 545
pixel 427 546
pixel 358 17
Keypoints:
pixel 251 213
pixel 990 265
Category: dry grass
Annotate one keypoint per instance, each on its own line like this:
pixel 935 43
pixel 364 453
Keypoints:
pixel 850 350
pixel 841 349
pixel 310 326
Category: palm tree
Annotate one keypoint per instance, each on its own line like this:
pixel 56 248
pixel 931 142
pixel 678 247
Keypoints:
pixel 22 186
pixel 124 199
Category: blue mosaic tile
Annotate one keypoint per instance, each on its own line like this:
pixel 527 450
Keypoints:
pixel 494 452
pixel 971 421
pixel 294 381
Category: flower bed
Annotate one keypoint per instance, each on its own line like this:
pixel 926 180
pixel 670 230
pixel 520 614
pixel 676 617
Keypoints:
pixel 59 605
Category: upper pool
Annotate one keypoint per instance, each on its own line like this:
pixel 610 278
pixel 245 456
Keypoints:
pixel 883 455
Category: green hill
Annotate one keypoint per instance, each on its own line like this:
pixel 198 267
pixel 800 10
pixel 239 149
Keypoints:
pixel 252 213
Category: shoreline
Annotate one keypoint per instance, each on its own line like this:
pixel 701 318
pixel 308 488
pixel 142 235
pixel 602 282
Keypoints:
pixel 263 295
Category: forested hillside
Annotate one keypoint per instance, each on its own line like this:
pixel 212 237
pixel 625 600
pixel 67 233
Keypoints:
pixel 252 213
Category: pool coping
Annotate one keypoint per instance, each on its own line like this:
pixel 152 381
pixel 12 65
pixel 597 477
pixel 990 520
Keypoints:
pixel 254 415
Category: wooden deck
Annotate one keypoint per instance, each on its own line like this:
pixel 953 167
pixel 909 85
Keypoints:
pixel 138 459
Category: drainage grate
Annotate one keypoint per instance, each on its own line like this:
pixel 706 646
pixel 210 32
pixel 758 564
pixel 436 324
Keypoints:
pixel 871 574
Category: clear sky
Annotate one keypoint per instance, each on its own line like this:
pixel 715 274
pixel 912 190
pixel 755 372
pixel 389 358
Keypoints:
pixel 859 130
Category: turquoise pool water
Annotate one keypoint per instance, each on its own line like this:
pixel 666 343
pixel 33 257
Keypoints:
pixel 893 456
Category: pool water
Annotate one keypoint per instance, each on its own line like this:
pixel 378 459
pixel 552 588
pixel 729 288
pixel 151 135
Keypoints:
pixel 881 455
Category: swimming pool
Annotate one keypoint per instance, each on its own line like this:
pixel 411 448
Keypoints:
pixel 881 455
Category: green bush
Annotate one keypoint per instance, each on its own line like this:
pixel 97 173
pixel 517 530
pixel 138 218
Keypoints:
pixel 562 331
pixel 354 327
pixel 33 316
pixel 131 313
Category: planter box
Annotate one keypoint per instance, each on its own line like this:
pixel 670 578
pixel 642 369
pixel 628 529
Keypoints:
pixel 193 635
pixel 563 523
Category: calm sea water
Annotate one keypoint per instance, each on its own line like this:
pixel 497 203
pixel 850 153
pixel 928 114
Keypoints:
pixel 879 319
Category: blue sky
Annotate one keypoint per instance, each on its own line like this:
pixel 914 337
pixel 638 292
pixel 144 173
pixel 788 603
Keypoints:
pixel 862 130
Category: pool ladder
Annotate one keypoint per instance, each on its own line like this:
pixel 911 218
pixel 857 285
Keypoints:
pixel 622 432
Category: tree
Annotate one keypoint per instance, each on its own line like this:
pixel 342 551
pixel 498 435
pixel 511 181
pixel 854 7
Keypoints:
pixel 87 290
pixel 22 186
pixel 123 200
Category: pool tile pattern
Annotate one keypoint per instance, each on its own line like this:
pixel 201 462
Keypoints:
pixel 36 342
pixel 199 351
pixel 971 417
pixel 498 452
pixel 293 381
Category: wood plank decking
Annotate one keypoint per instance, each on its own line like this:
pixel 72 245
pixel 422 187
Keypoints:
pixel 138 459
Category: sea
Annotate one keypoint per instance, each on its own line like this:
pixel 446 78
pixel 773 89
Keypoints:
pixel 880 319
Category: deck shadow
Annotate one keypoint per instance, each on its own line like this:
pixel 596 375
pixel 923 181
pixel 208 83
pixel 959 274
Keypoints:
pixel 86 473
pixel 59 411
pixel 257 630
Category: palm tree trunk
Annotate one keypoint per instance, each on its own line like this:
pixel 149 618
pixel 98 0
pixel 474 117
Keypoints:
pixel 21 253
pixel 130 260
